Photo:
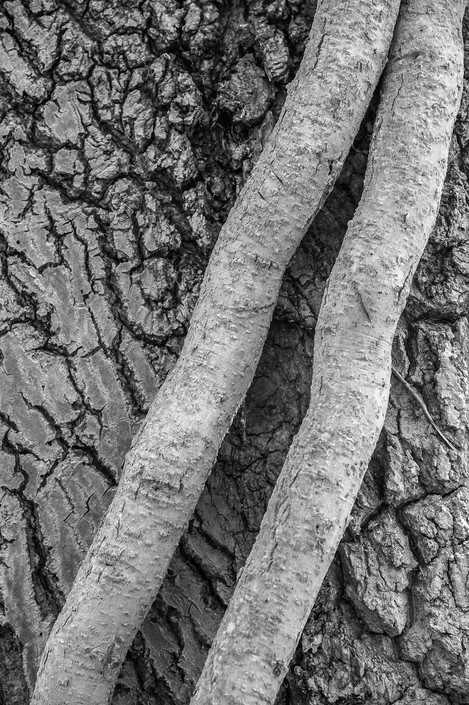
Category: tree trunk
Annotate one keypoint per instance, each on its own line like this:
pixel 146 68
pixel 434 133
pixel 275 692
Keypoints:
pixel 129 293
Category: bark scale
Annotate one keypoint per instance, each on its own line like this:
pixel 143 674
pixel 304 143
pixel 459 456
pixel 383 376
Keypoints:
pixel 167 466
pixel 365 296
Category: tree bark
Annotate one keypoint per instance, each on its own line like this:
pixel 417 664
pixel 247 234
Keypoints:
pixel 165 471
pixel 390 577
pixel 365 296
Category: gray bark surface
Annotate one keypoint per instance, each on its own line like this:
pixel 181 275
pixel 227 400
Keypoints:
pixel 166 468
pixel 365 295
pixel 347 655
pixel 391 622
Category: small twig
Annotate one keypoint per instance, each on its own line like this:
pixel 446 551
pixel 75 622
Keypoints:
pixel 422 405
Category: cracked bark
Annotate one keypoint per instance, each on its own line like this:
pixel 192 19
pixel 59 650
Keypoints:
pixel 170 459
pixel 364 298
pixel 345 655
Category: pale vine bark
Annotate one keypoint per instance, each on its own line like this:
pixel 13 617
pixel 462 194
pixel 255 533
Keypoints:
pixel 167 466
pixel 364 298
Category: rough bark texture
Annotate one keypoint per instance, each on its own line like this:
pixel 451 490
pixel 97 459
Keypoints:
pixel 364 298
pixel 224 67
pixel 167 467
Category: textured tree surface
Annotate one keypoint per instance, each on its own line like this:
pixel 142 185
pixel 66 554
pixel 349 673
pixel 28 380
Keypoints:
pixel 171 457
pixel 365 296
pixel 126 132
